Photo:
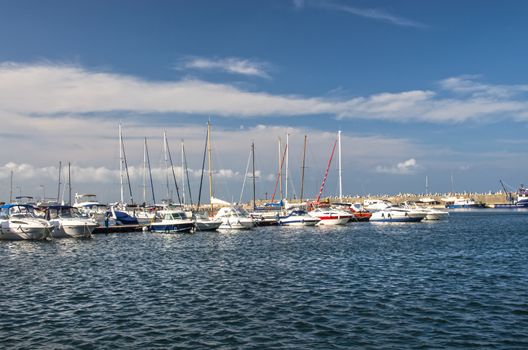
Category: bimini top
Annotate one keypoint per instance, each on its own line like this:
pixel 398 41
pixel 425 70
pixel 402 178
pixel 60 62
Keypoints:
pixel 10 205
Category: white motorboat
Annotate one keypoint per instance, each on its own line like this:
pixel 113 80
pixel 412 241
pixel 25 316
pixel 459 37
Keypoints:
pixel 464 203
pixel 234 218
pixel 298 217
pixel 376 204
pixel 430 213
pixel 18 222
pixel 397 214
pixel 172 221
pixel 68 222
pixel 329 216
pixel 202 222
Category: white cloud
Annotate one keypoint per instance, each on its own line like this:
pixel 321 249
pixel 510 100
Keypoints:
pixel 369 13
pixel 404 168
pixel 45 89
pixel 233 65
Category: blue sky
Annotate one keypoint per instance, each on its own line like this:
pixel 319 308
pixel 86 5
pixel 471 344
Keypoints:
pixel 418 88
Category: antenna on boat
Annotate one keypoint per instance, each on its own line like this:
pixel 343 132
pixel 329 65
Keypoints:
pixel 203 167
pixel 254 188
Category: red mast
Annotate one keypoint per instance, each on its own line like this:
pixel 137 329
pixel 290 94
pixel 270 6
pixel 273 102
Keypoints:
pixel 326 173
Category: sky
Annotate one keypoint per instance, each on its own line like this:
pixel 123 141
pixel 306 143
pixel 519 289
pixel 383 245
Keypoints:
pixel 419 89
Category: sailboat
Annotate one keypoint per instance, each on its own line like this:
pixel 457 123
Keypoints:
pixel 329 215
pixel 202 221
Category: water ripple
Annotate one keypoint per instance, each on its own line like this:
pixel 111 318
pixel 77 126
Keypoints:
pixel 456 284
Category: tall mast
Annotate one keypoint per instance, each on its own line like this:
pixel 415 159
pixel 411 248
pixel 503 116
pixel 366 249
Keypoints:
pixel 59 189
pixel 186 174
pixel 210 170
pixel 340 178
pixel 126 168
pixel 122 193
pixel 69 184
pixel 182 173
pixel 302 168
pixel 173 173
pixel 280 168
pixel 166 158
pixel 287 159
pixel 326 173
pixel 254 188
pixel 150 173
pixel 426 185
pixel 145 171
pixel 201 176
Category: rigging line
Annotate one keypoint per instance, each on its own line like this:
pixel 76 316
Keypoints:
pixel 187 174
pixel 173 173
pixel 279 174
pixel 326 173
pixel 245 177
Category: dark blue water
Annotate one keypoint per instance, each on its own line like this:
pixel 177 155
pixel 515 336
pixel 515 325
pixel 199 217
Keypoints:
pixel 461 283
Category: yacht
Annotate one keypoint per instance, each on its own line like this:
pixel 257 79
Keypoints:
pixel 330 216
pixel 298 217
pixel 202 222
pixel 18 222
pixel 466 203
pixel 430 213
pixel 68 222
pixel 376 204
pixel 397 214
pixel 172 221
pixel 234 218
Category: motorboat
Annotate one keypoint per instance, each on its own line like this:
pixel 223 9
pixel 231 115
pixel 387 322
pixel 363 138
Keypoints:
pixel 234 217
pixel 202 222
pixel 265 217
pixel 376 204
pixel 359 213
pixel 464 203
pixel 430 213
pixel 18 222
pixel 397 214
pixel 522 197
pixel 298 217
pixel 172 221
pixel 330 216
pixel 68 222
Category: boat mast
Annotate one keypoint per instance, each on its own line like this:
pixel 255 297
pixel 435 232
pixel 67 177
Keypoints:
pixel 287 159
pixel 165 155
pixel 254 187
pixel 69 184
pixel 210 170
pixel 186 174
pixel 326 173
pixel 126 169
pixel 426 185
pixel 302 169
pixel 182 174
pixel 145 171
pixel 122 193
pixel 150 173
pixel 201 176
pixel 280 168
pixel 59 187
pixel 340 178
pixel 173 173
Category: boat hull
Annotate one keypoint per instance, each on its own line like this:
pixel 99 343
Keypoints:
pixel 309 221
pixel 207 225
pixel 236 224
pixel 333 220
pixel 14 233
pixel 171 227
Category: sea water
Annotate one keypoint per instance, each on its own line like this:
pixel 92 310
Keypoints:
pixel 459 283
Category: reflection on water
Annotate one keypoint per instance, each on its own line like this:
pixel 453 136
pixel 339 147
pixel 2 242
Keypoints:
pixel 453 284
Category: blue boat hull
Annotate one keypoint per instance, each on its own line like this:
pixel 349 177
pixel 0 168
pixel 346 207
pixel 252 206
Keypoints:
pixel 172 228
